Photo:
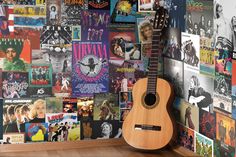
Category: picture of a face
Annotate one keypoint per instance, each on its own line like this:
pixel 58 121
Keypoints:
pixel 10 54
pixel 40 110
pixel 106 129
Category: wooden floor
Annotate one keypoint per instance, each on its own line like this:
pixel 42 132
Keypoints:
pixel 113 151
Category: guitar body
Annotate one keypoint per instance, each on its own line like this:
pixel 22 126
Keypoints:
pixel 149 127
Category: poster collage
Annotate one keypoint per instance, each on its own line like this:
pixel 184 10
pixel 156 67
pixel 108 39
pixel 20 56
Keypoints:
pixel 68 68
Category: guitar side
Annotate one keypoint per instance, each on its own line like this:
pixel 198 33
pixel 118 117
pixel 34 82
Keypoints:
pixel 156 116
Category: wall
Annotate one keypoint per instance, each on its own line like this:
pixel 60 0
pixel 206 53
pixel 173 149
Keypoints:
pixel 73 65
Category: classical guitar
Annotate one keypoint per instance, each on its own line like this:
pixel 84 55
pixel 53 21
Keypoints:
pixel 149 125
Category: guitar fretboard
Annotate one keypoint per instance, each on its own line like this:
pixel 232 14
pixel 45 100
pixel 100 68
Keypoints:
pixel 153 65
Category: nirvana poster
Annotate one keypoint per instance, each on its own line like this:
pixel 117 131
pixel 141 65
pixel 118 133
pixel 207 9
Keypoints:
pixel 15 84
pixel 90 68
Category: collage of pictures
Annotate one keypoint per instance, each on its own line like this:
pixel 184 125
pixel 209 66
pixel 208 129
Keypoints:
pixel 68 68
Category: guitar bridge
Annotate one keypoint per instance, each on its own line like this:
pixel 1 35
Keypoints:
pixel 147 127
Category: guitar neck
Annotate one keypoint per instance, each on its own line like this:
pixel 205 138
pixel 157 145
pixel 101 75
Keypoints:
pixel 153 65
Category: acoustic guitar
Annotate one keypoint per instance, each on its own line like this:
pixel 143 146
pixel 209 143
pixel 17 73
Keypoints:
pixel 149 125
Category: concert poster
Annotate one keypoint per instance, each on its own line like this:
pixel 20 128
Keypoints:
pixel 95 25
pixel 207 63
pixel 225 130
pixel 203 145
pixel 101 4
pixel 106 106
pixel 15 84
pixel 207 124
pixel 62 86
pixel 54 104
pixel 174 73
pixel 221 150
pixel 90 68
pixel 185 137
pixel 223 62
pixel 95 129
pixel 199 19
pixel 71 12
pixel 58 123
pixel 172 46
pixel 123 11
pixel 191 51
pixel 118 37
pixel 189 115
pixel 70 105
pixel 36 132
pixel 54 12
pixel 14 138
pixel 23 54
pixel 85 106
pixel 58 37
pixel 198 90
pixel 222 100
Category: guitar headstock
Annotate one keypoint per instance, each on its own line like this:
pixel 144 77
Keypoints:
pixel 161 19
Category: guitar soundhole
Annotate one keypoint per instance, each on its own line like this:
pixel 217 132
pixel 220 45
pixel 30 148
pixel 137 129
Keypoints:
pixel 150 99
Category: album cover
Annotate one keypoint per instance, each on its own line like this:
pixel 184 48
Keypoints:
pixel 133 52
pixel 15 84
pixel 18 112
pixel 185 137
pixel 95 25
pixel 106 106
pixel 144 28
pixel 29 11
pixel 40 75
pixel 123 11
pixel 207 124
pixel 189 115
pixel 36 132
pixel 56 38
pixel 59 125
pixel 85 107
pixel 198 90
pixel 203 145
pixel 22 54
pixel 225 130
pixel 223 62
pixel 125 100
pixel 74 132
pixel 71 12
pixel 233 78
pixel 70 105
pixel 174 73
pixel 207 63
pixel 191 51
pixel 6 21
pixel 90 68
pixel 29 21
pixel 118 37
pixel 224 23
pixel 54 104
pixel 96 129
pixel 14 138
pixel 221 150
pixel 76 33
pixel 62 86
pixel 177 13
pixel 54 12
pixel 222 100
pixel 99 4
pixel 172 46
pixel 199 20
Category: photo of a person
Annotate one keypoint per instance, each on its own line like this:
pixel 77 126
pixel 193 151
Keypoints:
pixel 133 51
pixel 37 113
pixel 107 112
